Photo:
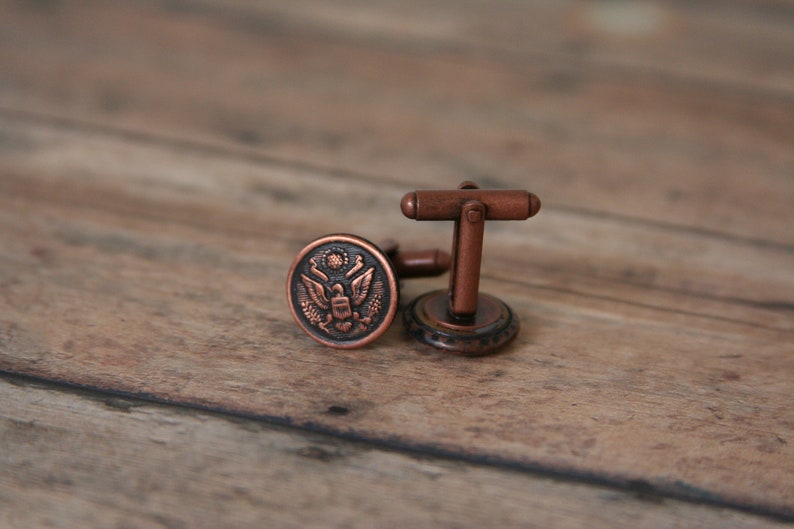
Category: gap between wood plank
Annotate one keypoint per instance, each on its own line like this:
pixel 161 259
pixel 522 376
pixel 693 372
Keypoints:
pixel 642 489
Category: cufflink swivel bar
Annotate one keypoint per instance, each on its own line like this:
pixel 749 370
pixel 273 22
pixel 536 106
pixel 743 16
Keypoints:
pixel 462 320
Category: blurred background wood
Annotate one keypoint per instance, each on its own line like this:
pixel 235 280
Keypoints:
pixel 162 162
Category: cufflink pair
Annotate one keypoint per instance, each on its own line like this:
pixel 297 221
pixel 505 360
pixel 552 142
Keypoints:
pixel 343 290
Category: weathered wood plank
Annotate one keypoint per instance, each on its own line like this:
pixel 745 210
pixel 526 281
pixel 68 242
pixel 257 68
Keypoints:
pixel 149 268
pixel 685 154
pixel 682 40
pixel 73 459
pixel 147 183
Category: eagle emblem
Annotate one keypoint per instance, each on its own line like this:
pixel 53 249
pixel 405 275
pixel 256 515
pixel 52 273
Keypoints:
pixel 337 297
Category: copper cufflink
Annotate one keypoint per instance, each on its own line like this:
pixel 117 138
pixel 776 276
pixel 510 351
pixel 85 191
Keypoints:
pixel 343 290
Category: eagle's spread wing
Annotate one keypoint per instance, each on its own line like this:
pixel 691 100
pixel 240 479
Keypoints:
pixel 316 291
pixel 360 287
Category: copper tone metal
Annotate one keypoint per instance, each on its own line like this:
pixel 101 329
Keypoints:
pixel 343 290
pixel 428 320
pixel 445 205
pixel 467 245
pixel 421 263
pixel 462 320
pixel 416 263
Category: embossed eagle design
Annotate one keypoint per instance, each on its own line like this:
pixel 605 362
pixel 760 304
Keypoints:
pixel 336 296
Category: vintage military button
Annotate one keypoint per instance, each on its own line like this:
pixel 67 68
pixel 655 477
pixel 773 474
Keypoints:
pixel 343 291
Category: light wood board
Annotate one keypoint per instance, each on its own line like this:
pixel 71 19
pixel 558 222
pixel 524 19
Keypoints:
pixel 162 163
pixel 136 464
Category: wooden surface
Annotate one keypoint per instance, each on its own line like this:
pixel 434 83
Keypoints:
pixel 162 162
pixel 195 469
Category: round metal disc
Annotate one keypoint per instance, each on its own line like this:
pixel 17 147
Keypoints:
pixel 428 320
pixel 342 290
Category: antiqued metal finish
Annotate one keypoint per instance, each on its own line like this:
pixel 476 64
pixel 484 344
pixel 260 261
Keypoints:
pixel 462 320
pixel 428 320
pixel 418 263
pixel 343 290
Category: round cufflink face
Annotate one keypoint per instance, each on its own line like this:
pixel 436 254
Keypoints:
pixel 343 291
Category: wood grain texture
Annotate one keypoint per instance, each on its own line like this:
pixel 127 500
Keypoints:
pixel 162 162
pixel 136 464
pixel 175 290
pixel 688 154
pixel 737 44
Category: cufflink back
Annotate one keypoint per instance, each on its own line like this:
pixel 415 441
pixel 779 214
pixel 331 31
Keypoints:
pixel 462 320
